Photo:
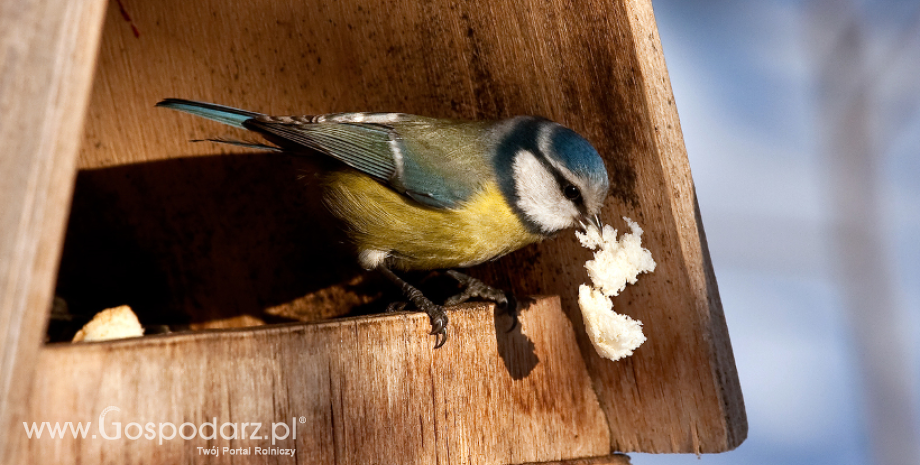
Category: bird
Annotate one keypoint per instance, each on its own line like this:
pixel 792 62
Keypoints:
pixel 426 193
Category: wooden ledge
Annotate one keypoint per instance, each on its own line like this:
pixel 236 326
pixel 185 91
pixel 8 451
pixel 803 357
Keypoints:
pixel 613 459
pixel 363 390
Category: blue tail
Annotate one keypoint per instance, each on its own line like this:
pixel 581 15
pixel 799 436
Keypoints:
pixel 227 115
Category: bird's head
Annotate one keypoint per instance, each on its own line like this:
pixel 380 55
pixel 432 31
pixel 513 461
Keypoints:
pixel 553 178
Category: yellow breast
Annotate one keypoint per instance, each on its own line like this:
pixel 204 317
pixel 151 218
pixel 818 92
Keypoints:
pixel 382 221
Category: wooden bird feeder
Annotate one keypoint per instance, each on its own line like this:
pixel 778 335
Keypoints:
pixel 229 238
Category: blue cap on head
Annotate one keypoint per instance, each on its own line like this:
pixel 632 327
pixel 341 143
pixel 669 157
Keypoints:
pixel 578 155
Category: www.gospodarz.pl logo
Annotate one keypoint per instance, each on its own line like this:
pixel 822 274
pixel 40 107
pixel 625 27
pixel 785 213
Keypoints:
pixel 150 431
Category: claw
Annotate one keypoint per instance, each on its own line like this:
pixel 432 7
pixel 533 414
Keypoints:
pixel 473 288
pixel 396 306
pixel 438 318
pixel 511 309
pixel 440 338
pixel 455 300
pixel 438 324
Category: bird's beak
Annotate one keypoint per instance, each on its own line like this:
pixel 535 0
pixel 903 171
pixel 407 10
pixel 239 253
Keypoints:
pixel 587 219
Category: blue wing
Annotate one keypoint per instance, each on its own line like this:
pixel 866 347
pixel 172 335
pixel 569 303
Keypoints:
pixel 365 147
pixel 438 163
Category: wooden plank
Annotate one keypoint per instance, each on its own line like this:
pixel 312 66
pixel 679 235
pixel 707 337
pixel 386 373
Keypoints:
pixel 215 237
pixel 703 289
pixel 367 390
pixel 47 55
pixel 613 459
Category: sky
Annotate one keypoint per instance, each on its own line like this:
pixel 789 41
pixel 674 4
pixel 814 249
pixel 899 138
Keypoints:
pixel 745 82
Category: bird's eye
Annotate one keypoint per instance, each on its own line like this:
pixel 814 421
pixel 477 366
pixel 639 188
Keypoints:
pixel 571 192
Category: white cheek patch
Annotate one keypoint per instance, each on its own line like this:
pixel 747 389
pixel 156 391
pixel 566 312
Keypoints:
pixel 539 195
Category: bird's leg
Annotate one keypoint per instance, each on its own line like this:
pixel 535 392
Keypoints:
pixel 473 287
pixel 397 306
pixel 435 312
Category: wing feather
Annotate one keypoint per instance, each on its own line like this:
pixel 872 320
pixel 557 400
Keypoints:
pixel 365 147
pixel 438 163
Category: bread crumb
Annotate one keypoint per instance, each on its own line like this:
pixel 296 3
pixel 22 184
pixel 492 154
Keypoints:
pixel 113 323
pixel 615 264
pixel 613 335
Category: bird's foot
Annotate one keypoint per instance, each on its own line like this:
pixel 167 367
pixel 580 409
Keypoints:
pixel 397 306
pixel 473 287
pixel 436 313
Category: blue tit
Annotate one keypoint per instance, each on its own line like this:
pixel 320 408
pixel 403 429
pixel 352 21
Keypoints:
pixel 420 193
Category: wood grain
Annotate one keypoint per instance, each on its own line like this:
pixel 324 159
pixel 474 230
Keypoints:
pixel 211 234
pixel 688 221
pixel 47 55
pixel 368 390
pixel 613 459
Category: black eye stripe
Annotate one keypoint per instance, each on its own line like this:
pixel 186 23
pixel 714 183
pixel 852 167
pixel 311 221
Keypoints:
pixel 561 181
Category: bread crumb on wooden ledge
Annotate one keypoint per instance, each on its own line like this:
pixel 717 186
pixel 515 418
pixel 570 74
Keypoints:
pixel 113 323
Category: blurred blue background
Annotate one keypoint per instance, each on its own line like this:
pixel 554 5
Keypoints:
pixel 802 124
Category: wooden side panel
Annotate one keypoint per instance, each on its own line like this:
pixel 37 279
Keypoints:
pixel 47 55
pixel 360 391
pixel 688 222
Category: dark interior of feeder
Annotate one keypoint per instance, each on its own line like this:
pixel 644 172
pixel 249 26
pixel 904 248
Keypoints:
pixel 191 241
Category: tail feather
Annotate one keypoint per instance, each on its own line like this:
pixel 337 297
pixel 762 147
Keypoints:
pixel 241 143
pixel 224 114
